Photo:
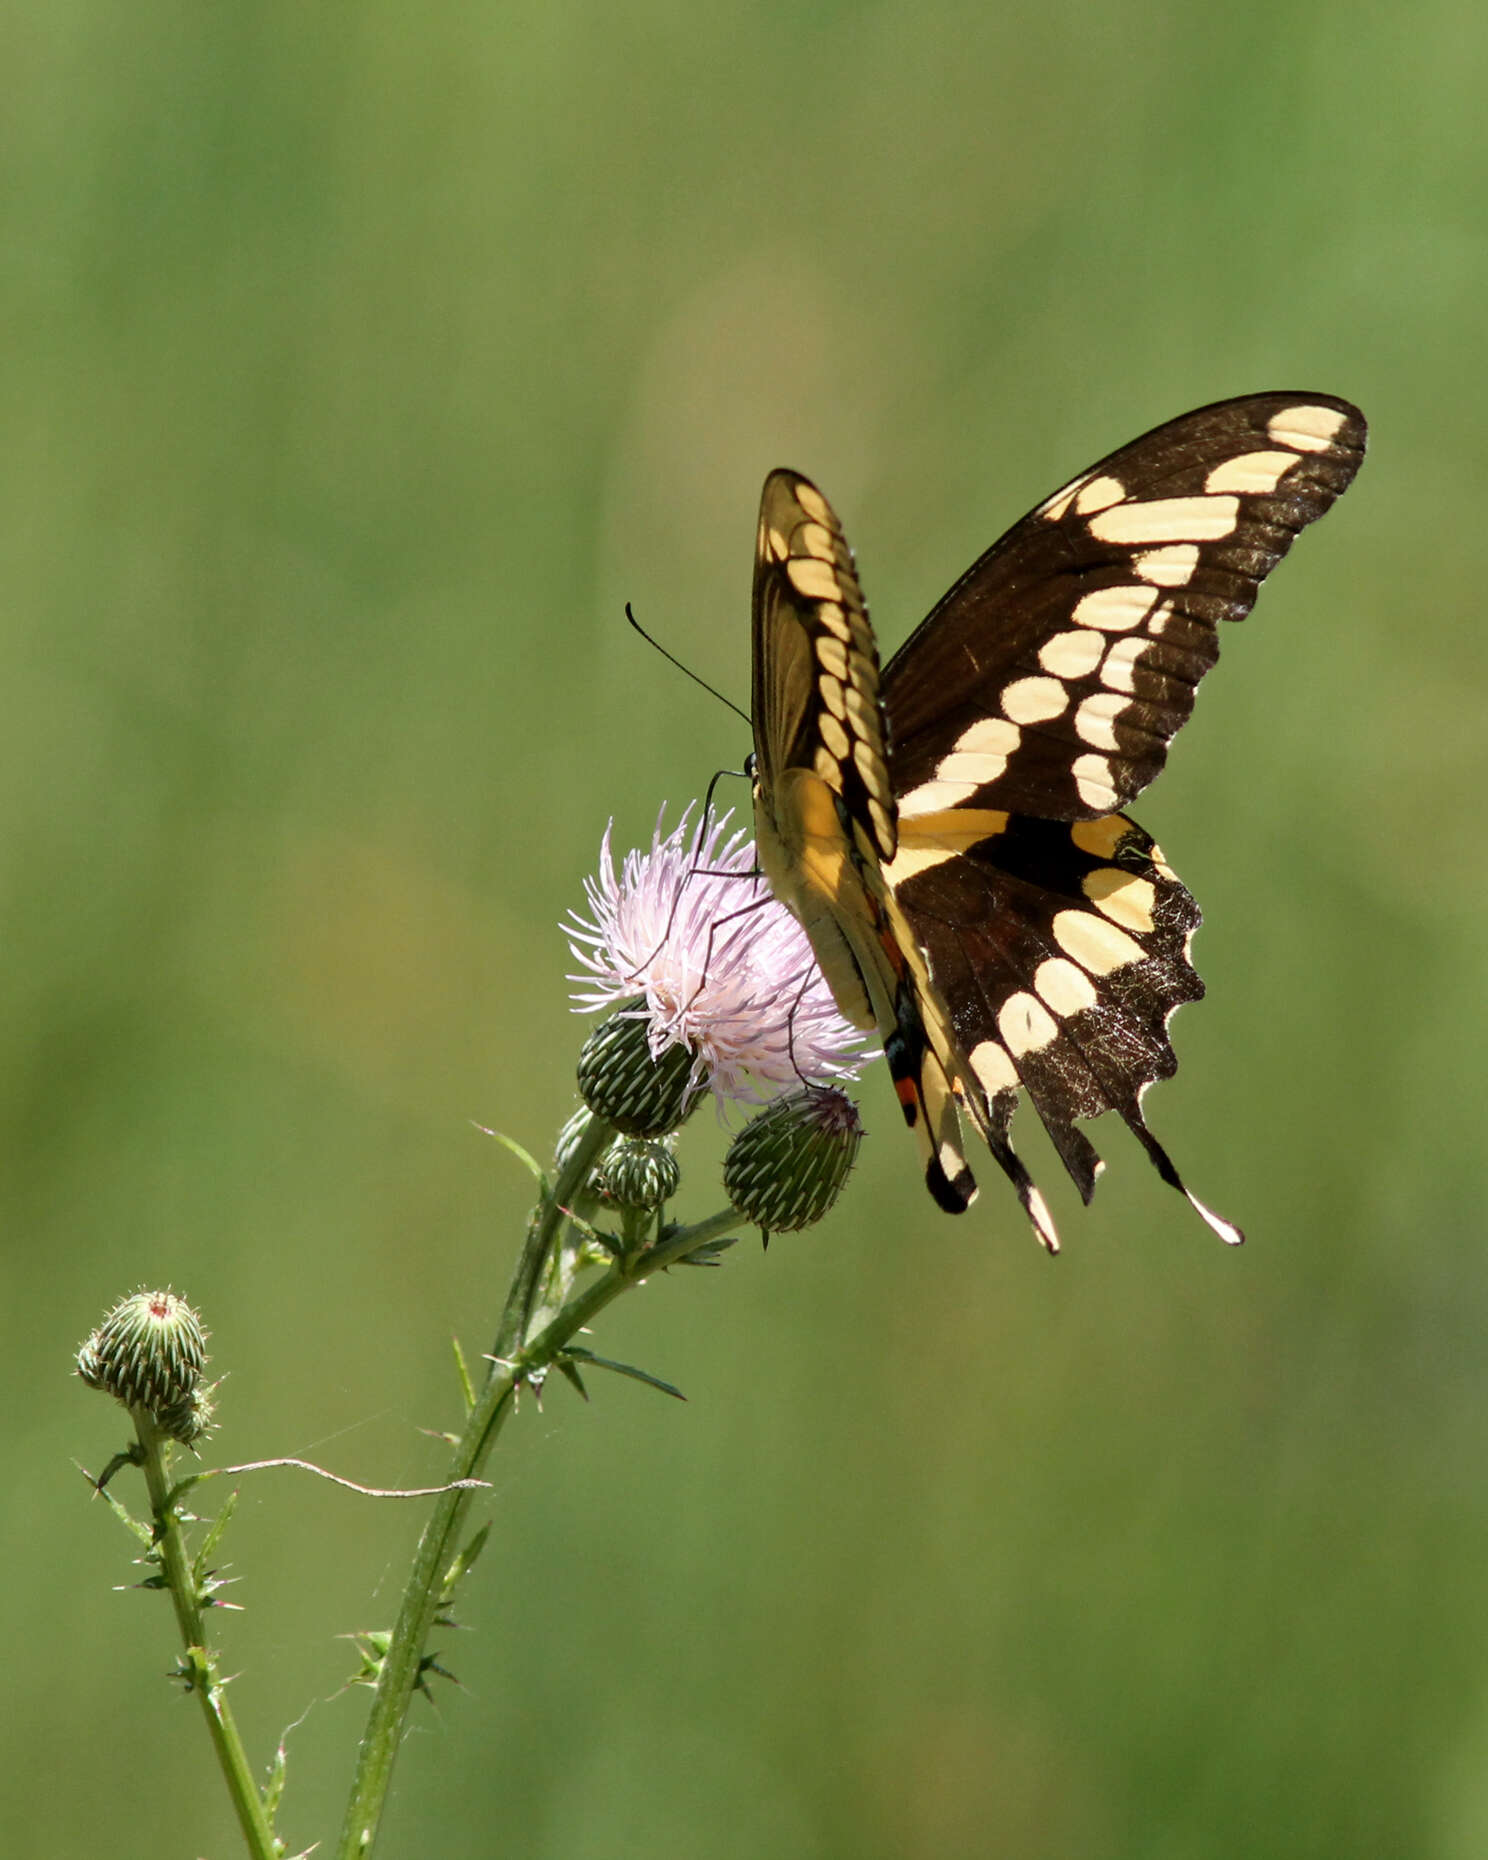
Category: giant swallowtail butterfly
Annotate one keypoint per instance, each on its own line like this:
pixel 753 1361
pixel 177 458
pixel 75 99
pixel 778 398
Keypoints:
pixel 948 831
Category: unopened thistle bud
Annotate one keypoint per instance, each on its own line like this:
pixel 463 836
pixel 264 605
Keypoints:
pixel 637 1172
pixel 569 1138
pixel 622 1083
pixel 149 1352
pixel 787 1166
pixel 189 1419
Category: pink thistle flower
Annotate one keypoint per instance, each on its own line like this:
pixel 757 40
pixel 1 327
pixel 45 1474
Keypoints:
pixel 722 968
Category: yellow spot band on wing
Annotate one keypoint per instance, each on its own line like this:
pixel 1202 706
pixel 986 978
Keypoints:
pixel 929 840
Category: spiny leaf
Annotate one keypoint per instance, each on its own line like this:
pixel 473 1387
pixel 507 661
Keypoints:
pixel 462 1370
pixel 521 1155
pixel 273 1789
pixel 135 1526
pixel 620 1369
pixel 708 1253
pixel 214 1531
pixel 430 1664
pixel 464 1561
pixel 372 1649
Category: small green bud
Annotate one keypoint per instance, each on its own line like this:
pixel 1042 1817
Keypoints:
pixel 189 1419
pixel 637 1172
pixel 149 1352
pixel 787 1166
pixel 584 1198
pixel 568 1138
pixel 622 1083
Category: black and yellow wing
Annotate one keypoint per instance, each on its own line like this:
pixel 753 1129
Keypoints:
pixel 948 830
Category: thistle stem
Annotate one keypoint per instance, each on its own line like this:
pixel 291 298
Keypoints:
pixel 200 1664
pixel 515 1358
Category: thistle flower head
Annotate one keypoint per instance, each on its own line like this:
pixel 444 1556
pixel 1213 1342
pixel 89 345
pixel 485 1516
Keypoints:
pixel 719 966
pixel 149 1352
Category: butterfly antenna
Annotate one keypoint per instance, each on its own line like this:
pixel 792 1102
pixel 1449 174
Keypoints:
pixel 687 670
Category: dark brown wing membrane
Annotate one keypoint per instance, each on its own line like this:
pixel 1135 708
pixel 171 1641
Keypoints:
pixel 1062 953
pixel 1053 675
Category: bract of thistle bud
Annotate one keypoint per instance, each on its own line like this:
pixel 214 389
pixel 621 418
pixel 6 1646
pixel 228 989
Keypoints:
pixel 637 1172
pixel 621 1082
pixel 89 1365
pixel 788 1165
pixel 149 1352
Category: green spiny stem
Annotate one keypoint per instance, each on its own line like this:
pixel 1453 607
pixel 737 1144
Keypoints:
pixel 542 1232
pixel 200 1663
pixel 514 1358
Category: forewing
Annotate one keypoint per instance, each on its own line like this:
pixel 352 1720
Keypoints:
pixel 1051 678
pixel 824 812
pixel 816 677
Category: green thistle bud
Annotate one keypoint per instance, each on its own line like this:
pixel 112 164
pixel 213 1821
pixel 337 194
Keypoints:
pixel 567 1145
pixel 581 1126
pixel 189 1419
pixel 637 1172
pixel 787 1166
pixel 622 1083
pixel 149 1352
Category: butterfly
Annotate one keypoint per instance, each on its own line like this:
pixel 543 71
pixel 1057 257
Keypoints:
pixel 948 829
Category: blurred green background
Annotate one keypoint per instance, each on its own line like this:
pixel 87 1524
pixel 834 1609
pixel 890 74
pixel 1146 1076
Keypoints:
pixel 360 362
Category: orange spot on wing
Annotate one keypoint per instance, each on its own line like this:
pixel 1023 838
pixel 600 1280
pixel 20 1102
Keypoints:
pixel 890 946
